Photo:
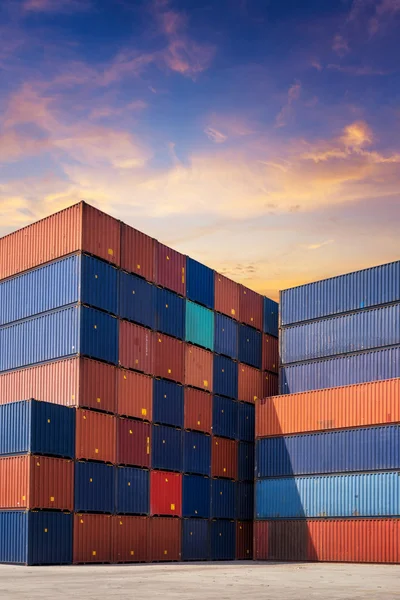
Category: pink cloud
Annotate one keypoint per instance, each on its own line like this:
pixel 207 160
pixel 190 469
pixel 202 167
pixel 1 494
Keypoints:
pixel 292 95
pixel 340 45
pixel 358 70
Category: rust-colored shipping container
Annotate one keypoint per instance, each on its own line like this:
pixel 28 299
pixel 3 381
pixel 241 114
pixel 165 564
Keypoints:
pixel 250 385
pixel 134 395
pixel 244 540
pixel 36 482
pixel 101 234
pixel 97 385
pixel 227 294
pixel 92 539
pixel 95 436
pixel 374 403
pixel 198 367
pixel 281 540
pixel 165 493
pixel 130 539
pixel 224 458
pixel 169 358
pixel 133 443
pixel 251 307
pixel 170 269
pixel 136 347
pixel 270 384
pixel 165 539
pixel 198 410
pixel 137 252
pixel 270 353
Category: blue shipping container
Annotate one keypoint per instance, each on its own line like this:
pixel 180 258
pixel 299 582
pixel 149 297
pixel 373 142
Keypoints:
pixel 246 421
pixel 225 417
pixel 196 453
pixel 223 540
pixel 136 300
pixel 199 283
pixel 94 487
pixel 195 539
pixel 225 377
pixel 99 284
pixel 166 448
pixel 196 496
pixel 271 317
pixel 35 538
pixel 223 499
pixel 250 346
pixel 245 501
pixel 167 403
pixel 246 461
pixel 99 335
pixel 170 313
pixel 226 336
pixel 132 491
pixel 199 325
pixel 37 428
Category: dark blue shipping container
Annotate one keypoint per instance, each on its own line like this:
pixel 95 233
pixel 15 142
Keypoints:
pixel 246 461
pixel 344 370
pixel 226 335
pixel 223 540
pixel 199 283
pixel 245 501
pixel 196 453
pixel 35 538
pixel 166 448
pixel 37 428
pixel 195 539
pixel 246 421
pixel 196 496
pixel 223 499
pixel 271 317
pixel 225 417
pixel 94 487
pixel 99 284
pixel 167 403
pixel 132 491
pixel 250 346
pixel 169 313
pixel 225 378
pixel 136 300
pixel 99 335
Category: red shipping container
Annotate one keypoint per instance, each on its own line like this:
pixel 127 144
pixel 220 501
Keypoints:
pixel 36 482
pixel 130 539
pixel 270 353
pixel 227 294
pixel 198 367
pixel 198 410
pixel 101 234
pixel 270 384
pixel 137 252
pixel 250 384
pixel 95 436
pixel 169 358
pixel 136 347
pixel 251 307
pixel 133 441
pixel 92 539
pixel 170 269
pixel 165 493
pixel 134 395
pixel 165 539
pixel 281 540
pixel 244 540
pixel 224 458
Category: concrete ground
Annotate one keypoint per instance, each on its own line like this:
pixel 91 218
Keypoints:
pixel 215 581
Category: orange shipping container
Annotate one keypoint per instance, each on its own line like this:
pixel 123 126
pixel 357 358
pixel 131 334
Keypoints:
pixel 251 307
pixel 136 347
pixel 169 358
pixel 226 296
pixel 224 458
pixel 198 410
pixel 137 252
pixel 134 395
pixel 130 539
pixel 270 353
pixel 198 368
pixel 250 388
pixel 165 539
pixel 92 538
pixel 95 436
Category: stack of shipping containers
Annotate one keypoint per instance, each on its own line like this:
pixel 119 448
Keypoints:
pixel 157 361
pixel 328 449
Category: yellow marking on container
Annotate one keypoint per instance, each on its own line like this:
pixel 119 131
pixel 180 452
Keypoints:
pixel 194 447
pixel 132 553
pixel 130 431
pixel 51 498
pixel 222 411
pixel 205 383
pixel 98 400
pixel 220 535
pixel 23 497
pixel 94 552
pixel 84 417
pixel 224 469
pixel 198 423
pixel 90 480
pixel 169 370
pixel 167 257
pixel 121 523
pixel 191 533
pixel 172 506
pixel 95 326
pixel 255 398
pixel 166 481
pixel 166 306
pixel 240 527
pixel 220 493
pixel 165 552
pixel 124 376
pixel 244 291
pixel 223 370
pixel 233 311
pixel 138 267
pixel 95 277
pixel 136 362
pixel 195 512
pixel 81 520
pixel 48 420
pixel 251 319
pixel 73 397
pixel 160 340
pixel 144 412
pixel 129 484
pixel 38 464
pixel 165 395
pixel 111 252
pixel 96 450
pixel 46 530
pixel 216 443
pixel 163 441
pixel 133 292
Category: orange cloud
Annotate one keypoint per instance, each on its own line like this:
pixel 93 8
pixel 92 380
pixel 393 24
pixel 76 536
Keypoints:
pixel 215 136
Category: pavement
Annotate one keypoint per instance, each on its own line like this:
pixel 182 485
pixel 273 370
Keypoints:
pixel 202 581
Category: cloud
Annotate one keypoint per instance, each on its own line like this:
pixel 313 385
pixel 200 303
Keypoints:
pixel 373 15
pixel 56 6
pixel 292 96
pixel 356 135
pixel 316 65
pixel 340 45
pixel 215 136
pixel 102 112
pixel 319 245
pixel 358 70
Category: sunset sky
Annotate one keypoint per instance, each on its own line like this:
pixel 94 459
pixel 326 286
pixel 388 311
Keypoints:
pixel 261 137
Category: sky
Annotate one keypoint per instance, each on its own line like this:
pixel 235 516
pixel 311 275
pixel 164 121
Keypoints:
pixel 259 137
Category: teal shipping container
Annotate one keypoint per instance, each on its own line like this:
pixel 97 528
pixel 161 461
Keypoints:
pixel 199 325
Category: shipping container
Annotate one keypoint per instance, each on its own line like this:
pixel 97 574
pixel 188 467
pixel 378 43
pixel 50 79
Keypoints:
pixel 169 358
pixel 136 347
pixel 170 269
pixel 170 312
pixel 226 336
pixel 225 417
pixel 226 296
pixel 94 487
pixel 199 325
pixel 245 461
pixel 130 539
pixel 270 353
pixel 167 403
pixel 271 317
pixel 37 428
pixel 199 283
pixel 244 540
pixel 92 539
pixel 36 482
pixel 270 384
pixel 251 307
pixel 281 540
pixel 165 536
pixel 98 336
pixel 95 436
pixel 223 540
pixel 133 443
pixel 137 252
pixel 244 501
pixel 225 377
pixel 195 539
pixel 198 367
pixel 35 538
pixel 198 410
pixel 165 493
pixel 246 422
pixel 250 346
pixel 250 384
pixel 134 395
pixel 132 491
pixel 224 458
pixel 196 453
pixel 196 496
pixel 223 499
pixel 136 300
pixel 166 448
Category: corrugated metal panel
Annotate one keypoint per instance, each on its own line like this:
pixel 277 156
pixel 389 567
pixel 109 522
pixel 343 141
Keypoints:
pixel 101 234
pixel 224 458
pixel 136 300
pixel 196 496
pixel 271 317
pixel 246 420
pixel 135 395
pixel 344 370
pixel 98 335
pixel 225 376
pixel 270 384
pixel 170 269
pixel 94 487
pixel 199 325
pixel 38 428
pixel 136 347
pixel 198 410
pixel 226 296
pixel 165 539
pixel 92 539
pixel 244 540
pixel 198 367
pixel 167 403
pixel 223 540
pixel 138 252
pixel 270 353
pixel 130 539
pixel 225 417
pixel 345 293
pixel 199 283
pixel 362 495
pixel 223 499
pixel 133 442
pixel 246 461
pixel 165 493
pixel 281 540
pixel 95 436
pixel 169 313
pixel 251 307
pixel 132 491
pixel 97 385
pixel 226 336
pixel 99 284
pixel 244 501
pixel 250 346
pixel 169 358
pixel 250 384
pixel 195 539
pixel 166 448
pixel 196 453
